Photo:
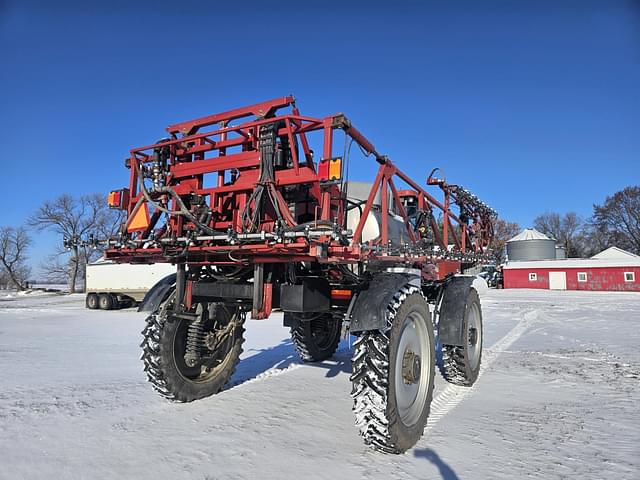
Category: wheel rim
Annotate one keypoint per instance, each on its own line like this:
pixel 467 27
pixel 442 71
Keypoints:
pixel 412 368
pixel 200 373
pixel 474 336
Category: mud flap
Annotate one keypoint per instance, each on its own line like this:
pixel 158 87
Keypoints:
pixel 452 307
pixel 369 312
pixel 157 294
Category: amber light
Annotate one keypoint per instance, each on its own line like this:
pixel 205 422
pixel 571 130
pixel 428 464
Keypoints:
pixel 330 169
pixel 119 199
pixel 115 199
pixel 340 294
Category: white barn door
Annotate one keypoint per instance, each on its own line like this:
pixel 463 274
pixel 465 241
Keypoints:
pixel 557 280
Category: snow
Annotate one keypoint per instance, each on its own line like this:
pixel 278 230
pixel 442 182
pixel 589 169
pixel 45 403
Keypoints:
pixel 557 397
pixel 615 253
pixel 529 234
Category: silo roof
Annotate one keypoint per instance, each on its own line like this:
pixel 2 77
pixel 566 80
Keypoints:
pixel 529 234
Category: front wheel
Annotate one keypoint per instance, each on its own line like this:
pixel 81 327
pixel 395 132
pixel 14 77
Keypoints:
pixel 188 359
pixel 393 375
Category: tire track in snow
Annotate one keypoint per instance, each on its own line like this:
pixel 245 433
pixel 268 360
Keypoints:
pixel 271 372
pixel 452 395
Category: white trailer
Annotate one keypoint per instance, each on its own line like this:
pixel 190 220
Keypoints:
pixel 116 285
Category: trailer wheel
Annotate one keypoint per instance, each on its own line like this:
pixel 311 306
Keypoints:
pixel 316 340
pixel 461 364
pixel 92 301
pixel 164 345
pixel 106 301
pixel 393 375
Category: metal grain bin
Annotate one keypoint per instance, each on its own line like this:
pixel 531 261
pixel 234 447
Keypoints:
pixel 530 244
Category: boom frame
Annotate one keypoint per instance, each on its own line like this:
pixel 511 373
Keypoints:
pixel 231 152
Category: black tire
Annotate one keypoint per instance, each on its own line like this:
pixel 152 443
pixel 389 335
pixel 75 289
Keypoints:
pixel 461 364
pixel 316 340
pixel 163 348
pixel 92 301
pixel 380 388
pixel 106 301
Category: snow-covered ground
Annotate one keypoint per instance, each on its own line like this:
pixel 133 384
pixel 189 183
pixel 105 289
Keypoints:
pixel 559 397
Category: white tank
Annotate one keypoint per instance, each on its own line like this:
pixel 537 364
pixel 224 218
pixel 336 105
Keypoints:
pixel 397 231
pixel 358 192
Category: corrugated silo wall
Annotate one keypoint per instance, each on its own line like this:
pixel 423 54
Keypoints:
pixel 531 250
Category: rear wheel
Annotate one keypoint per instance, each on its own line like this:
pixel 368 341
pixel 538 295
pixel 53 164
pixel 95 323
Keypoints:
pixel 92 301
pixel 461 364
pixel 106 301
pixel 186 359
pixel 393 375
pixel 316 339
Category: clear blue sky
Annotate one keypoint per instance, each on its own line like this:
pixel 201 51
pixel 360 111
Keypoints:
pixel 534 106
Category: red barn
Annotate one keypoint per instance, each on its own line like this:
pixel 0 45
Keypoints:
pixel 611 269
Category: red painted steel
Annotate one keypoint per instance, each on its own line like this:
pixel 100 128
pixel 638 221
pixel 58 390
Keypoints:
pixel 209 215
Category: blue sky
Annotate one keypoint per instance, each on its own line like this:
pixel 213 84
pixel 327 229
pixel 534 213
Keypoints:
pixel 534 106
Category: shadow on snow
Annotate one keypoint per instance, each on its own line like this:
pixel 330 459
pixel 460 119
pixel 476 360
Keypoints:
pixel 282 356
pixel 446 472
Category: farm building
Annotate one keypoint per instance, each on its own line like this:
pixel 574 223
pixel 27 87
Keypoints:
pixel 611 269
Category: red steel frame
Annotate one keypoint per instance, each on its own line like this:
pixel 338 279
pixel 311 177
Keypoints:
pixel 231 154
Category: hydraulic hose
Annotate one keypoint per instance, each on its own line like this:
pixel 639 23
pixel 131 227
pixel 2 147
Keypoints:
pixel 182 207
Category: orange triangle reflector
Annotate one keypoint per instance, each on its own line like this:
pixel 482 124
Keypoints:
pixel 139 218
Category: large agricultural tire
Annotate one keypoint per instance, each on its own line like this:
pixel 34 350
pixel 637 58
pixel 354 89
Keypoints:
pixel 163 355
pixel 393 375
pixel 461 364
pixel 92 301
pixel 106 301
pixel 316 340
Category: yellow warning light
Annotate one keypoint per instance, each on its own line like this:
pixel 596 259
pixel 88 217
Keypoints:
pixel 335 168
pixel 139 219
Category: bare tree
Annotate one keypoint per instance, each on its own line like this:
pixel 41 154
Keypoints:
pixel 566 229
pixel 618 219
pixel 549 223
pixel 14 243
pixel 502 232
pixel 56 268
pixel 74 218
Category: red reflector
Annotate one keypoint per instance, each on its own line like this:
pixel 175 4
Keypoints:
pixel 323 170
pixel 330 169
pixel 340 294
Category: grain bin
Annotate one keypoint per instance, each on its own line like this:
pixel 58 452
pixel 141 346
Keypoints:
pixel 530 244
